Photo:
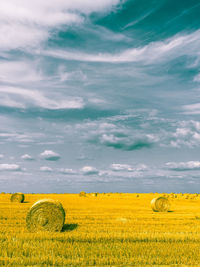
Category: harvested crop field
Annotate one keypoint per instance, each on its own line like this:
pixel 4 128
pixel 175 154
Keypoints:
pixel 108 230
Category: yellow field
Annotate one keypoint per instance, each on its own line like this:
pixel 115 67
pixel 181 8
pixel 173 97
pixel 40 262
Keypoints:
pixel 107 230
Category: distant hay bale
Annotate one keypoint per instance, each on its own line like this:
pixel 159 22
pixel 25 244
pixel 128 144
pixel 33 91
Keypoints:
pixel 160 204
pixel 17 197
pixel 82 194
pixel 137 195
pixel 94 194
pixel 45 215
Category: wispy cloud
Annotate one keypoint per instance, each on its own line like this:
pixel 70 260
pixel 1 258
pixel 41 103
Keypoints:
pixel 22 98
pixel 21 71
pixel 192 109
pixel 153 53
pixel 19 137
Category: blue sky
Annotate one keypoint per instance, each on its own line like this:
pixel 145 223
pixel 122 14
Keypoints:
pixel 99 96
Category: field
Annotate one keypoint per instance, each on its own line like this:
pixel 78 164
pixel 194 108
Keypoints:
pixel 107 230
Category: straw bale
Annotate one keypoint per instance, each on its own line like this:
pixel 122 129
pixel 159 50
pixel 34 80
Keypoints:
pixel 160 204
pixel 17 197
pixel 45 215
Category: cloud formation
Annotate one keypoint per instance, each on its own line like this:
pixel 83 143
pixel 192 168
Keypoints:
pixel 89 170
pixel 10 167
pixel 27 157
pixel 117 134
pixel 67 171
pixel 153 53
pixel 192 109
pixel 26 25
pixel 121 167
pixel 88 77
pixel 19 71
pixel 187 133
pixel 24 98
pixel 50 155
pixel 124 143
pixel 183 166
pixel 46 169
pixel 126 167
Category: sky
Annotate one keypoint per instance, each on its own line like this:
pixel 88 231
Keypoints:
pixel 99 96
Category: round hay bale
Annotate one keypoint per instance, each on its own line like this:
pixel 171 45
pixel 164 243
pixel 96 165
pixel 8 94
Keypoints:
pixel 17 197
pixel 160 204
pixel 45 215
pixel 94 194
pixel 82 194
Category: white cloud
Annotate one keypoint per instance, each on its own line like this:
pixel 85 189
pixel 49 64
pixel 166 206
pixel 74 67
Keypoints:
pixel 89 170
pixel 121 167
pixel 187 133
pixel 127 143
pixel 67 171
pixel 155 52
pixel 27 157
pixel 50 155
pixel 22 98
pixel 19 137
pixel 25 24
pixel 64 75
pixel 197 78
pixel 183 166
pixel 1 156
pixel 10 167
pixel 117 135
pixel 192 108
pixel 19 36
pixel 19 71
pixel 46 169
pixel 116 167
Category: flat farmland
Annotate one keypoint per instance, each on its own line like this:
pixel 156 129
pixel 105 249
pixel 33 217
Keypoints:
pixel 112 229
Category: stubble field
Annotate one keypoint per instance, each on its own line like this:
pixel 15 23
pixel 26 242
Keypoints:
pixel 107 230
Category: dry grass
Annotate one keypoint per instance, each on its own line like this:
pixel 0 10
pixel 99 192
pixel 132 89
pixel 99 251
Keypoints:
pixel 114 230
